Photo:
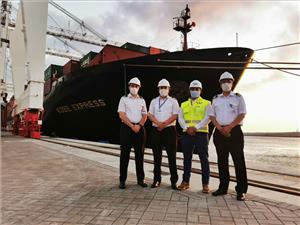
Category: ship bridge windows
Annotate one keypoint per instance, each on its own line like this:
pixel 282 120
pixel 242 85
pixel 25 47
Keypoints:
pixel 178 24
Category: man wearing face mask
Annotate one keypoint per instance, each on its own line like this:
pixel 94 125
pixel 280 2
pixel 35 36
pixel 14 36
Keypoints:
pixel 194 119
pixel 227 114
pixel 133 113
pixel 163 112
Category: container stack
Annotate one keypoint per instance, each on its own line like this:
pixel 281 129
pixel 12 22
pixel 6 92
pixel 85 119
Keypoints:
pixel 85 60
pixel 70 67
pixel 52 73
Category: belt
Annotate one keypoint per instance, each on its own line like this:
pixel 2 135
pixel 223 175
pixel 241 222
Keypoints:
pixel 138 124
pixel 228 125
pixel 132 123
pixel 192 121
pixel 198 132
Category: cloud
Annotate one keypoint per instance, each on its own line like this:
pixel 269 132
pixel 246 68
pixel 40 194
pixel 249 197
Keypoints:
pixel 258 23
pixel 141 23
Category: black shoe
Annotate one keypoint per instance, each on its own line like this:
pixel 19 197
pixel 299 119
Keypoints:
pixel 219 192
pixel 174 186
pixel 142 184
pixel 241 196
pixel 155 184
pixel 122 185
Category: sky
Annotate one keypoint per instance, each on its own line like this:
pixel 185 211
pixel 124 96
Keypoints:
pixel 272 97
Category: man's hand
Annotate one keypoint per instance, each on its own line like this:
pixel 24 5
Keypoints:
pixel 221 130
pixel 161 126
pixel 136 128
pixel 191 131
pixel 227 130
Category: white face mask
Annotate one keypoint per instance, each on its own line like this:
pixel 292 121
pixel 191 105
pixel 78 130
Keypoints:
pixel 195 94
pixel 226 87
pixel 133 90
pixel 163 92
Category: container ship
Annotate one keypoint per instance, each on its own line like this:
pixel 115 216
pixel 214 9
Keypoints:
pixel 81 97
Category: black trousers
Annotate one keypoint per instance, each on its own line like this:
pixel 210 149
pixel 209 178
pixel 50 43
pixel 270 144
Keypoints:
pixel 235 146
pixel 165 138
pixel 129 139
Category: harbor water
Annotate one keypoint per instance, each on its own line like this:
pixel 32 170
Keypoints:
pixel 277 154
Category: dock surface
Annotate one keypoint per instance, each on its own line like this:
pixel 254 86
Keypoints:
pixel 42 185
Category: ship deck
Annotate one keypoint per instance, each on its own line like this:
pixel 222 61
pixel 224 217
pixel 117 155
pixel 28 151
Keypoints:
pixel 47 183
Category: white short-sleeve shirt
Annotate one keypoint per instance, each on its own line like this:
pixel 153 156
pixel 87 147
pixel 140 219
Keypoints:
pixel 226 108
pixel 134 107
pixel 163 109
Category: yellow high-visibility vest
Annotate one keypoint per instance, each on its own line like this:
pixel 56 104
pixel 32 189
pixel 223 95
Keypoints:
pixel 194 111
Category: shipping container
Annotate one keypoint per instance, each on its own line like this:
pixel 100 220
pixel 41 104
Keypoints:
pixel 153 51
pixel 53 71
pixel 85 60
pixel 111 53
pixel 134 47
pixel 70 67
pixel 98 59
pixel 47 87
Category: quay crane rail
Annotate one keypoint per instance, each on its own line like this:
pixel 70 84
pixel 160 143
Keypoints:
pixel 99 148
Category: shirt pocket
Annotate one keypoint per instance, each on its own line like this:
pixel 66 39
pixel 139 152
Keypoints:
pixel 199 109
pixel 218 105
pixel 218 108
pixel 233 107
pixel 168 109
pixel 143 109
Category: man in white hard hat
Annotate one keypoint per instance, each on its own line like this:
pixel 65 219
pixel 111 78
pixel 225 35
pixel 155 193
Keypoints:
pixel 133 113
pixel 163 112
pixel 227 114
pixel 194 120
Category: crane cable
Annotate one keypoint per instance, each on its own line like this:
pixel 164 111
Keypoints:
pixel 277 46
pixel 271 67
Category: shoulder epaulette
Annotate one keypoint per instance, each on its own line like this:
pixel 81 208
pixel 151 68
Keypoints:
pixel 238 94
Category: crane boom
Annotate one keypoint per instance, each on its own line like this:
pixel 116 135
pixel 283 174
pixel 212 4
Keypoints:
pixel 58 53
pixel 72 35
pixel 79 21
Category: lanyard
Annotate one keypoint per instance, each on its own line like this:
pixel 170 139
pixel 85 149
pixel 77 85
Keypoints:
pixel 161 104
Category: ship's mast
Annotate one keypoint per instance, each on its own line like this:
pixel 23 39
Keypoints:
pixel 181 24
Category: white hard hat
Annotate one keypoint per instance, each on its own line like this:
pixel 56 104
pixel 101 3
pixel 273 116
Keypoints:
pixel 226 75
pixel 195 84
pixel 163 83
pixel 135 80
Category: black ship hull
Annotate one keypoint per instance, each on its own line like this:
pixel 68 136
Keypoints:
pixel 84 106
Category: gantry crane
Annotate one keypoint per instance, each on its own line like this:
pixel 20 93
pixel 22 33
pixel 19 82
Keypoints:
pixel 27 44
pixel 26 39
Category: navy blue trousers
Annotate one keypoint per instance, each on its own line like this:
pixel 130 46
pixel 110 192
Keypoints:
pixel 199 144
pixel 129 139
pixel 166 138
pixel 235 146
